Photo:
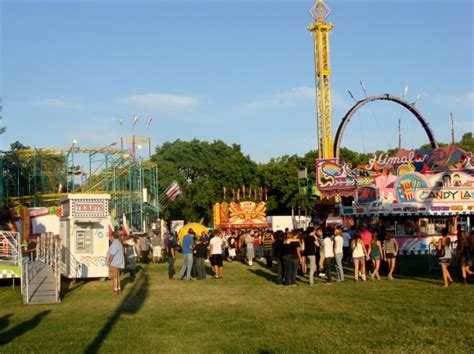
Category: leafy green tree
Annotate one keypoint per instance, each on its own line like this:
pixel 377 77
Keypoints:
pixel 280 177
pixel 467 142
pixel 202 170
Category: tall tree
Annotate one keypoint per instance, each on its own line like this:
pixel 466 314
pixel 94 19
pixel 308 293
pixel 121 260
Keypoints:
pixel 202 169
pixel 280 177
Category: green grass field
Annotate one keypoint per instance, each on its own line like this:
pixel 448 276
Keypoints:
pixel 245 313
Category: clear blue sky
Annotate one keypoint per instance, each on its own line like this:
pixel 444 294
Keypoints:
pixel 240 71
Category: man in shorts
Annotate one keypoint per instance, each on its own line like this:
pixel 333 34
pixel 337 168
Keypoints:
pixel 216 254
pixel 115 261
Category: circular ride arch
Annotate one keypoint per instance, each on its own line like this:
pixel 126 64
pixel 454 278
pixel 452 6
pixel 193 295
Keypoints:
pixel 386 97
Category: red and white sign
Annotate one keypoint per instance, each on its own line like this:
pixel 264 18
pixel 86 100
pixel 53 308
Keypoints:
pixel 89 209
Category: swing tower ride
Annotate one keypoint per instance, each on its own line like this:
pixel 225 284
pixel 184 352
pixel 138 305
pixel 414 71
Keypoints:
pixel 320 29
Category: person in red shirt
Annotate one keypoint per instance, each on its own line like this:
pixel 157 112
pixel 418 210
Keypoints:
pixel 366 237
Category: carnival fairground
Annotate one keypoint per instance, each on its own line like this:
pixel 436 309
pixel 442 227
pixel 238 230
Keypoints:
pixel 192 247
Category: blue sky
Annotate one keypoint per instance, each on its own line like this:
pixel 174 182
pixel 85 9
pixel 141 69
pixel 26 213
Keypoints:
pixel 240 71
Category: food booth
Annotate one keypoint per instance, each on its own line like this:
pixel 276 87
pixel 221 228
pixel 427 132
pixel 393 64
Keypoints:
pixel 414 193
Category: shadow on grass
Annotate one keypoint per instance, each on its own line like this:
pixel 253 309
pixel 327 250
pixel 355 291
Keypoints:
pixel 209 271
pixel 68 286
pixel 266 275
pixel 131 303
pixel 415 268
pixel 21 328
pixel 5 321
pixel 266 351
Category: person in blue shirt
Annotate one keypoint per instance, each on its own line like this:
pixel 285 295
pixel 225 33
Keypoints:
pixel 188 246
pixel 115 261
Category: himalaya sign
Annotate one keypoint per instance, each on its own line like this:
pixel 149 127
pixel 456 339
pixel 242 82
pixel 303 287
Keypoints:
pixel 387 160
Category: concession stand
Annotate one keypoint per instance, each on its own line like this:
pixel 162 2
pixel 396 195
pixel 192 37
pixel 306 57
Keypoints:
pixel 415 193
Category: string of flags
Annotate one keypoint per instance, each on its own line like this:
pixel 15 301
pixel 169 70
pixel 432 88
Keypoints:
pixel 135 120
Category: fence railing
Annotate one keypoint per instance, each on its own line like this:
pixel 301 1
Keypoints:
pixel 10 247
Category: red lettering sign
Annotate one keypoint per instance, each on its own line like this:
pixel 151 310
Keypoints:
pixel 89 207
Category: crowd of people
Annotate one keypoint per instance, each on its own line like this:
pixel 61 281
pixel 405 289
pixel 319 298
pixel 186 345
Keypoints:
pixel 317 252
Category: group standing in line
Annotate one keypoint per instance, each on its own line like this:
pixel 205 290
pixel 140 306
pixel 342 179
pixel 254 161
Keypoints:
pixel 311 253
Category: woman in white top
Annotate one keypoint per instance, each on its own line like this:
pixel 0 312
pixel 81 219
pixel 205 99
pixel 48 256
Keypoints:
pixel 338 254
pixel 328 254
pixel 359 255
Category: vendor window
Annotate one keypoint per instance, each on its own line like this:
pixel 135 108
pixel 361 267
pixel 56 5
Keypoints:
pixel 84 241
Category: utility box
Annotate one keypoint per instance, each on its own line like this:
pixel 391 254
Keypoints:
pixel 84 229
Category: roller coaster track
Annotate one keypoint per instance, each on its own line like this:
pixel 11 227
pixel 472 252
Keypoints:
pixel 96 183
pixel 67 150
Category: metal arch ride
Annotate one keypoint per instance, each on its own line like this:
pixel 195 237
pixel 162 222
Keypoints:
pixel 386 97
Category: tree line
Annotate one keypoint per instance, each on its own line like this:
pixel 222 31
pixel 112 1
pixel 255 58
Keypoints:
pixel 203 169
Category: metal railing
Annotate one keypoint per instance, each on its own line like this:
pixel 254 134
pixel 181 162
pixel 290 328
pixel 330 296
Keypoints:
pixel 10 247
pixel 48 253
pixel 48 250
pixel 24 282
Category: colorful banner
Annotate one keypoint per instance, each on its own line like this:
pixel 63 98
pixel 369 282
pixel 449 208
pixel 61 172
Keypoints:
pixel 240 215
pixel 433 182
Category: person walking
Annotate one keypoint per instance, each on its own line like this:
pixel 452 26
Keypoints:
pixel 232 248
pixel 157 244
pixel 391 251
pixel 339 254
pixel 257 245
pixel 144 248
pixel 376 254
pixel 464 255
pixel 115 261
pixel 205 239
pixel 200 257
pixel 328 254
pixel 215 246
pixel 366 237
pixel 321 270
pixel 346 247
pixel 188 246
pixel 359 255
pixel 249 243
pixel 171 253
pixel 444 256
pixel 291 256
pixel 310 250
pixel 304 260
pixel 267 247
pixel 277 252
pixel 131 255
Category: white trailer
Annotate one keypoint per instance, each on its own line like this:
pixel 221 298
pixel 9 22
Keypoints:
pixel 84 230
pixel 282 222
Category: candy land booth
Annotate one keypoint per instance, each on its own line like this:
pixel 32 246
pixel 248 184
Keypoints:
pixel 414 194
pixel 84 229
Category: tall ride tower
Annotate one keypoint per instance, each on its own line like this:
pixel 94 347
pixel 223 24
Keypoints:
pixel 320 29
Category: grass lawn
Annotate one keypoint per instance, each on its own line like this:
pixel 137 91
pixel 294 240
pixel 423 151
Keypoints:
pixel 246 312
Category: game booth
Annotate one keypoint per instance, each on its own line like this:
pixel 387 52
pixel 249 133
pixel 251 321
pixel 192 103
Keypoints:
pixel 84 229
pixel 240 215
pixel 413 193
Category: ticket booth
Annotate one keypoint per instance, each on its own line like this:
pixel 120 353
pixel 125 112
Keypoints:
pixel 84 229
